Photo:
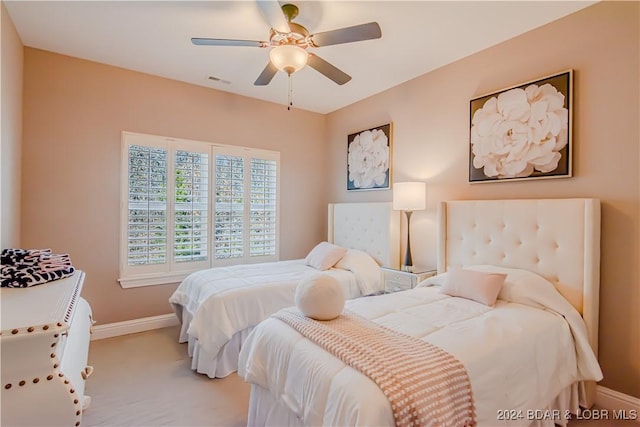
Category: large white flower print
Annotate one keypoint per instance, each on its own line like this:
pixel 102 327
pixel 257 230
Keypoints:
pixel 368 159
pixel 519 132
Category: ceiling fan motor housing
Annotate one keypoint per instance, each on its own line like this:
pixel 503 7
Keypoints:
pixel 298 36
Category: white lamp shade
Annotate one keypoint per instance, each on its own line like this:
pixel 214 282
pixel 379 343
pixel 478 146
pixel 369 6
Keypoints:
pixel 288 58
pixel 409 196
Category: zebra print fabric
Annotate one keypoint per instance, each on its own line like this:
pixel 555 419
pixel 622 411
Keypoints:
pixel 22 268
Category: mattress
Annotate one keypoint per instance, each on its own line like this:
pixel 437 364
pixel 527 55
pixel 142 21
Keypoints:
pixel 519 355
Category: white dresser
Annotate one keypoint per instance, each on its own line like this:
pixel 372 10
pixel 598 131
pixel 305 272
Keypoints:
pixel 44 350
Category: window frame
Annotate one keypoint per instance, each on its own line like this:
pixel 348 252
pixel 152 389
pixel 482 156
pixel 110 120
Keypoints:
pixel 131 276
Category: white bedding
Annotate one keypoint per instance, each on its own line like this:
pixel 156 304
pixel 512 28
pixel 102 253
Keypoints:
pixel 223 301
pixel 519 355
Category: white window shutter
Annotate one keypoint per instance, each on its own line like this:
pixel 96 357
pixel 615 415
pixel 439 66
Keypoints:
pixel 229 207
pixel 263 218
pixel 191 206
pixel 147 206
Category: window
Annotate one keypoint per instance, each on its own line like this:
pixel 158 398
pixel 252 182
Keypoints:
pixel 189 205
pixel 262 238
pixel 229 209
pixel 190 211
pixel 147 220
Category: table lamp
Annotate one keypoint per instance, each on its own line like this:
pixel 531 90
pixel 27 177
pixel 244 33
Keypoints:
pixel 409 197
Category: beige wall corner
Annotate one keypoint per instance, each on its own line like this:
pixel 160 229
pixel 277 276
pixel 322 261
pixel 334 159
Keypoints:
pixel 11 130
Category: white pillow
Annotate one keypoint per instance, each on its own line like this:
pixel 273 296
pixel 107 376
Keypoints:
pixel 365 268
pixel 325 255
pixel 320 297
pixel 479 286
pixel 521 286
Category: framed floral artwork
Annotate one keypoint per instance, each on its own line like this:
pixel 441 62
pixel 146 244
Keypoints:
pixel 369 159
pixel 522 132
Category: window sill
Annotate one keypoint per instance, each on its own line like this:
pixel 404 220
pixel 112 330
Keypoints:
pixel 152 280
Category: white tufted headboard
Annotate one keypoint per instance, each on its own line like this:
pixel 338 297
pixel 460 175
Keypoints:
pixel 370 227
pixel 558 239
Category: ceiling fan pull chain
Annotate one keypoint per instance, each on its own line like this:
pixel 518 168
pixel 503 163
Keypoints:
pixel 290 100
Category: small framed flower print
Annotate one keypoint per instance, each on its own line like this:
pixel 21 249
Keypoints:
pixel 523 132
pixel 369 159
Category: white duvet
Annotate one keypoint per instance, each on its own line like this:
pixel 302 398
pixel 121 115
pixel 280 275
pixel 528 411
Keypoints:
pixel 519 354
pixel 226 300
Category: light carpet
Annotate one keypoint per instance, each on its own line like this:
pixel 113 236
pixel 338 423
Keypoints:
pixel 146 379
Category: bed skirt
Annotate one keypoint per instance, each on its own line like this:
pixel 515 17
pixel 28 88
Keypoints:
pixel 212 365
pixel 266 410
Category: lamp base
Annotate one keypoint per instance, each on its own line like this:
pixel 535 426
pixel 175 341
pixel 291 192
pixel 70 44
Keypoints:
pixel 407 265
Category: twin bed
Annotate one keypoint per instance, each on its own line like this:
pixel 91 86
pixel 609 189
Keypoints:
pixel 530 358
pixel 219 307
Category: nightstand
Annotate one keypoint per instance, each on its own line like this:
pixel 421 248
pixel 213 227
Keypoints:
pixel 397 280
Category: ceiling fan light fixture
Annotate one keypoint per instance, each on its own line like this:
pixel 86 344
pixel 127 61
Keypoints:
pixel 288 58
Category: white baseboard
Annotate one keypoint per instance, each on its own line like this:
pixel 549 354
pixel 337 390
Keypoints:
pixel 614 400
pixel 133 326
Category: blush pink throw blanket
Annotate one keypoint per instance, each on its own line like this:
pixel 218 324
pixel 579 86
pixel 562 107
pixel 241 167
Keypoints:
pixel 425 385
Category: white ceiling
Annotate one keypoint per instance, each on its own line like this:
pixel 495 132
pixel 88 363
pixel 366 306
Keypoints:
pixel 154 37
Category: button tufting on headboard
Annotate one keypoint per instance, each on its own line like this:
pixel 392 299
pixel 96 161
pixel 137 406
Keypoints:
pixel 370 227
pixel 560 240
pixel 552 237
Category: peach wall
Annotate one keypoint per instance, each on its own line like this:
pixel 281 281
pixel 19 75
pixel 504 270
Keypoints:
pixel 431 134
pixel 74 112
pixel 11 133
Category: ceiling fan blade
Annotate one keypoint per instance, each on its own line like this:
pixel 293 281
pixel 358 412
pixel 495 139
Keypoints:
pixel 273 14
pixel 227 42
pixel 330 71
pixel 347 35
pixel 266 75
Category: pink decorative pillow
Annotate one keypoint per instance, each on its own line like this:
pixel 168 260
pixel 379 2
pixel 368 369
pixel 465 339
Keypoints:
pixel 474 285
pixel 325 255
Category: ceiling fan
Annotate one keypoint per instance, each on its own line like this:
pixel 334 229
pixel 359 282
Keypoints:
pixel 290 43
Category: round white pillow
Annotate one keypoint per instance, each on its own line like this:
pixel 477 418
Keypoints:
pixel 320 297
